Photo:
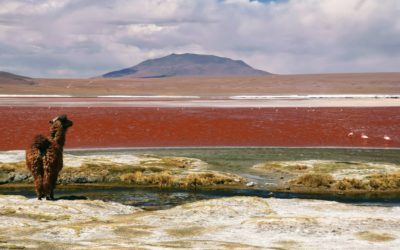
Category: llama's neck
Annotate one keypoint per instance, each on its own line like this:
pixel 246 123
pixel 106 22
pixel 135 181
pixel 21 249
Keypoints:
pixel 59 138
pixel 57 134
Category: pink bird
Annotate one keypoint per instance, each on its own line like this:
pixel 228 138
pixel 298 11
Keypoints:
pixel 387 138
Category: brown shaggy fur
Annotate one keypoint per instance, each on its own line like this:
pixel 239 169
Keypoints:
pixel 44 158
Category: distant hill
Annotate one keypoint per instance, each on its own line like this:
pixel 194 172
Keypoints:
pixel 9 78
pixel 187 65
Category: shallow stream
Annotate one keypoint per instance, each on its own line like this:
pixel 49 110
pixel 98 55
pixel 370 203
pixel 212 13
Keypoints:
pixel 157 198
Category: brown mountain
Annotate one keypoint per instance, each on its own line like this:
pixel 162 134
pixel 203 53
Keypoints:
pixel 187 65
pixel 9 78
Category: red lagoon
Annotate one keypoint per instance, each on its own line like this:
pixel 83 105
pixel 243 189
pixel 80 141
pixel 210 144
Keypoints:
pixel 97 127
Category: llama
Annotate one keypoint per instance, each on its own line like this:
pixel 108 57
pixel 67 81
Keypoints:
pixel 44 158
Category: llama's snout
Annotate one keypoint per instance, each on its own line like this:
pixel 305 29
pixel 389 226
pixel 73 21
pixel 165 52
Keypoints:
pixel 67 124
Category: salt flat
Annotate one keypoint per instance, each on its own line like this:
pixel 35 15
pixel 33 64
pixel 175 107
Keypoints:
pixel 195 101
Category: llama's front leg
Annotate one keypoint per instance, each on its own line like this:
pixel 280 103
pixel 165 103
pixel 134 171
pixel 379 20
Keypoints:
pixel 47 185
pixel 52 194
pixel 53 186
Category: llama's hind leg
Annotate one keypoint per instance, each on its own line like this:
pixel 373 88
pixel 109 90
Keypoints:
pixel 37 172
pixel 52 194
pixel 39 187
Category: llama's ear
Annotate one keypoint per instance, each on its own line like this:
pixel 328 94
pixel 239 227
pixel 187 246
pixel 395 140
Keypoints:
pixel 54 120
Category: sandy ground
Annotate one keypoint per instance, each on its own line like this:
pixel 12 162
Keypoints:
pixel 366 83
pixel 226 223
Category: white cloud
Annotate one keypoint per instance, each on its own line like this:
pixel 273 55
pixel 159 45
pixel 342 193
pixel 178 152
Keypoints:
pixel 65 38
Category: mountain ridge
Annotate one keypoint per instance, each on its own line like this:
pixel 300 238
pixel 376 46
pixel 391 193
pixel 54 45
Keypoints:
pixel 187 64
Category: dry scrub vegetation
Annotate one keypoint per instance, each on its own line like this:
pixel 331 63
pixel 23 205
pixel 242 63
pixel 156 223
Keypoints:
pixel 166 179
pixel 374 182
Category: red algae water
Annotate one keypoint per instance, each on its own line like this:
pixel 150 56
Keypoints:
pixel 97 127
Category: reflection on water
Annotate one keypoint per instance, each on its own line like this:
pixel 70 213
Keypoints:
pixel 147 198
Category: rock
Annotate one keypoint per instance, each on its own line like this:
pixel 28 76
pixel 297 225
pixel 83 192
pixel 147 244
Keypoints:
pixel 20 177
pixel 250 184
pixel 13 177
pixel 4 178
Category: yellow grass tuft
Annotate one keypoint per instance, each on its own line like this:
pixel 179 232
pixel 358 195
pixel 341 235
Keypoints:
pixel 167 179
pixel 384 181
pixel 207 179
pixel 11 167
pixel 352 184
pixel 374 182
pixel 7 211
pixel 186 231
pixel 375 236
pixel 12 247
pixel 315 180
pixel 162 179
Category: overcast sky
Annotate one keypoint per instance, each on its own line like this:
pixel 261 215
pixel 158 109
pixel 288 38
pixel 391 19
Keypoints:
pixel 83 38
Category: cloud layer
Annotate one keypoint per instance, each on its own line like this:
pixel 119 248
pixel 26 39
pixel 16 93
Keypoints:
pixel 83 38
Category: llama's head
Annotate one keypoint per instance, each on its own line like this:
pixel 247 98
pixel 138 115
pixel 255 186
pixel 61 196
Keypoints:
pixel 62 121
pixel 58 128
